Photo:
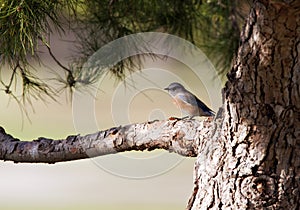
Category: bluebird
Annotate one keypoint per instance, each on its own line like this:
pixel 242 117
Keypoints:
pixel 188 102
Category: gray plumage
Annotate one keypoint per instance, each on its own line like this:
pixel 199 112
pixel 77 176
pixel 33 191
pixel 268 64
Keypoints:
pixel 188 102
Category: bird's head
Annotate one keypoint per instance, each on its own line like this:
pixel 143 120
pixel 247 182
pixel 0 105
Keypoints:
pixel 175 88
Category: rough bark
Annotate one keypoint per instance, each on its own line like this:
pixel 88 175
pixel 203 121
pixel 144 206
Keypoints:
pixel 174 135
pixel 248 156
pixel 252 160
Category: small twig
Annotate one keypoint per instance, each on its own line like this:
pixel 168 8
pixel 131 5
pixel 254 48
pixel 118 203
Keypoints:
pixel 12 76
pixel 57 61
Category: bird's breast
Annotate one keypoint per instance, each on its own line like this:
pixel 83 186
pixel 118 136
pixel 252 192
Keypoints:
pixel 186 108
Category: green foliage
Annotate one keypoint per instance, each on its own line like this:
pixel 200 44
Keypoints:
pixel 213 25
pixel 24 25
pixel 220 27
pixel 21 27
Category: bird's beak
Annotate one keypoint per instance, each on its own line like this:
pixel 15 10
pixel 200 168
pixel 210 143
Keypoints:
pixel 166 88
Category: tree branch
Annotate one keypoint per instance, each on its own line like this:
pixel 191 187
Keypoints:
pixel 57 61
pixel 175 135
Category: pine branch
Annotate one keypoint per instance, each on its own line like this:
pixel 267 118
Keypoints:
pixel 174 135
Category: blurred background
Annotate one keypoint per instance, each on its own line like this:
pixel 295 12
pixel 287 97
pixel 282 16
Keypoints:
pixel 131 180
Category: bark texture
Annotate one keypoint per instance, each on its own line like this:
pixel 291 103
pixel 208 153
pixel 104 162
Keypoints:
pixel 174 135
pixel 248 157
pixel 252 161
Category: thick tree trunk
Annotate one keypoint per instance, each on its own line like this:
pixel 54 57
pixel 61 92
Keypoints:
pixel 249 156
pixel 253 159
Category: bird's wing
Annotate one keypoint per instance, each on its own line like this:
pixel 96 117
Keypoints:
pixel 189 98
pixel 204 107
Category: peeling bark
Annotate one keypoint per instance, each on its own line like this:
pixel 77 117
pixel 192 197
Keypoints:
pixel 174 135
pixel 248 156
pixel 252 161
